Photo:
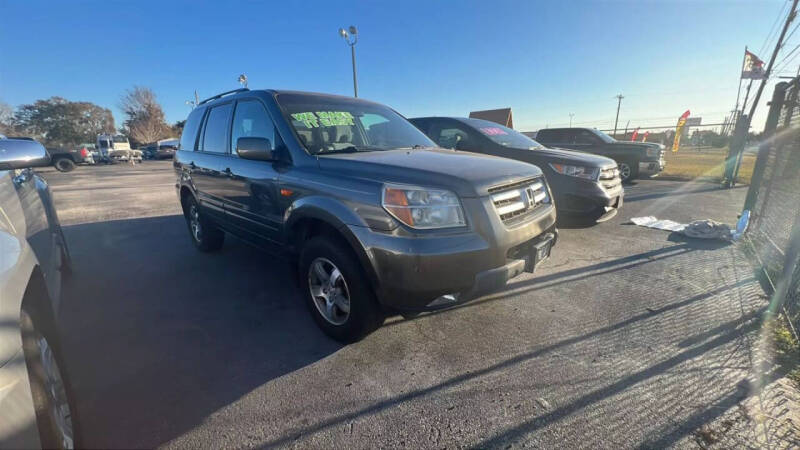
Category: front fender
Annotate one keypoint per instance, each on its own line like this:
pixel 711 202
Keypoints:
pixel 340 216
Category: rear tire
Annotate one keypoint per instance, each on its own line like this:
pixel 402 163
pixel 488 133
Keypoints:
pixel 56 416
pixel 347 285
pixel 206 236
pixel 64 165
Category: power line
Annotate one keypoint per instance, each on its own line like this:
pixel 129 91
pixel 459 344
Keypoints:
pixel 790 34
pixel 773 29
pixel 780 64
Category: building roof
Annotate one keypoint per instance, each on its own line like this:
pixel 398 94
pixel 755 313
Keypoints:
pixel 501 116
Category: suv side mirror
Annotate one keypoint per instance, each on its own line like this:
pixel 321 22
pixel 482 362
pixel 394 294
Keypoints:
pixel 256 148
pixel 21 154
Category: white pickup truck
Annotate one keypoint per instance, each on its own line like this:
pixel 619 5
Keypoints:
pixel 113 148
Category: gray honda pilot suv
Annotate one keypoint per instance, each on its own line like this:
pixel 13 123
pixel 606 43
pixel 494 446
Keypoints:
pixel 378 219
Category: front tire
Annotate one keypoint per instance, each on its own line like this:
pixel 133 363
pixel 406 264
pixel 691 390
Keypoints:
pixel 64 165
pixel 56 416
pixel 628 170
pixel 337 292
pixel 206 236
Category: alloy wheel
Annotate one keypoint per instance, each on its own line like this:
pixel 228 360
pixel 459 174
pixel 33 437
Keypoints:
pixel 194 223
pixel 329 291
pixel 58 405
pixel 624 170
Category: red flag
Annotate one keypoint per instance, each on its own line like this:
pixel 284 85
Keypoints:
pixel 635 134
pixel 753 67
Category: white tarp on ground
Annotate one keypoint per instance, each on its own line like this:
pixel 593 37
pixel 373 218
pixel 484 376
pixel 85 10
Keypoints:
pixel 702 229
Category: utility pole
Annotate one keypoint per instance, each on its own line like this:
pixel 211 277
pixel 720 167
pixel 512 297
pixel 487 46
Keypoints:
pixel 570 119
pixel 738 142
pixel 619 98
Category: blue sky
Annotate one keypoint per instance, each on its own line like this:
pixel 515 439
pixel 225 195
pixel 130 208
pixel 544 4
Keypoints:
pixel 544 59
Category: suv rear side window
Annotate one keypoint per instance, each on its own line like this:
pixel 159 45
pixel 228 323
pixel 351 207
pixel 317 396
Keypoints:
pixel 251 120
pixel 215 136
pixel 190 129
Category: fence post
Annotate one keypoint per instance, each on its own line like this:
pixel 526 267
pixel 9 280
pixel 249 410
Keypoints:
pixel 775 106
pixel 736 146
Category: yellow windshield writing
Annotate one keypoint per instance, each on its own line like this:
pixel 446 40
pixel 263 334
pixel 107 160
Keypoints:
pixel 324 118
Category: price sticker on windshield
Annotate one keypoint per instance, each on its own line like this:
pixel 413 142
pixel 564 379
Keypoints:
pixel 492 131
pixel 324 118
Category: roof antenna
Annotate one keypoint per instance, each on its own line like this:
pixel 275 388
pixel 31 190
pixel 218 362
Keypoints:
pixel 243 80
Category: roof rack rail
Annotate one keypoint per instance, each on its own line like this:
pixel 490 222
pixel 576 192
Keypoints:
pixel 222 95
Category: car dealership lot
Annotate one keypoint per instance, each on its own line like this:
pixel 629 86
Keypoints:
pixel 626 337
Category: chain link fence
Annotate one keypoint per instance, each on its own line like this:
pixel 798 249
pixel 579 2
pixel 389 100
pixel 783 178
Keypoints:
pixel 773 200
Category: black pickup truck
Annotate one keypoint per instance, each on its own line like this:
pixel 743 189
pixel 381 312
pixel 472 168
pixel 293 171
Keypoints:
pixel 635 159
pixel 377 217
pixel 65 159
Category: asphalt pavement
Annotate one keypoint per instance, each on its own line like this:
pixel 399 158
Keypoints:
pixel 626 337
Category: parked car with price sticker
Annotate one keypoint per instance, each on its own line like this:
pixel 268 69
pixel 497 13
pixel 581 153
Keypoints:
pixel 379 219
pixel 583 185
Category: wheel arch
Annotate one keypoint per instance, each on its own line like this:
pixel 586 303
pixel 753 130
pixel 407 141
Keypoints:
pixel 36 300
pixel 309 221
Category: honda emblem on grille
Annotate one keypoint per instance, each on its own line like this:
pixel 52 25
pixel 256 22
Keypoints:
pixel 529 194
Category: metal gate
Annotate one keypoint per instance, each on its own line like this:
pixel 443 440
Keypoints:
pixel 773 200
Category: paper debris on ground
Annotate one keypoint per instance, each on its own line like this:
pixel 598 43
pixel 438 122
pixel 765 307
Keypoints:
pixel 652 222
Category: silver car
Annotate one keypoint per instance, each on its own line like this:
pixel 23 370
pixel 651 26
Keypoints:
pixel 36 407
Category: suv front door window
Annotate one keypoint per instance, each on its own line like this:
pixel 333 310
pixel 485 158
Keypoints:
pixel 251 187
pixel 583 137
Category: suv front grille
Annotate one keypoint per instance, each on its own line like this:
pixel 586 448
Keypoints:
pixel 609 178
pixel 519 199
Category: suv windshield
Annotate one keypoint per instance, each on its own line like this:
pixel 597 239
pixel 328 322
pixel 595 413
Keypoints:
pixel 503 135
pixel 606 138
pixel 337 125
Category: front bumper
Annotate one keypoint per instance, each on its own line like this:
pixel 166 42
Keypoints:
pixel 583 197
pixel 651 168
pixel 412 271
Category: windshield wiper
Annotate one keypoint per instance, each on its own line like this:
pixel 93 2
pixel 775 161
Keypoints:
pixel 349 149
pixel 413 147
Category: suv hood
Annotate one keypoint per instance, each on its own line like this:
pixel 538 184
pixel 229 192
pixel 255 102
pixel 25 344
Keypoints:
pixel 560 155
pixel 638 145
pixel 466 174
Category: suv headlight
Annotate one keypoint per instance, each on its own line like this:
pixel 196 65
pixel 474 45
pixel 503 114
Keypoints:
pixel 589 173
pixel 420 207
pixel 653 152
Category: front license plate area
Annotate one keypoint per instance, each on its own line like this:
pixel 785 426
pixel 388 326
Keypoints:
pixel 539 252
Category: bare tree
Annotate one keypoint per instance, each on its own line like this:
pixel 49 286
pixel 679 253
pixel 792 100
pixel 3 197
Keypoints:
pixel 145 119
pixel 6 118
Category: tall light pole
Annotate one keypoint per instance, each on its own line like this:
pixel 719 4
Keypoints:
pixel 570 119
pixel 351 38
pixel 619 102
